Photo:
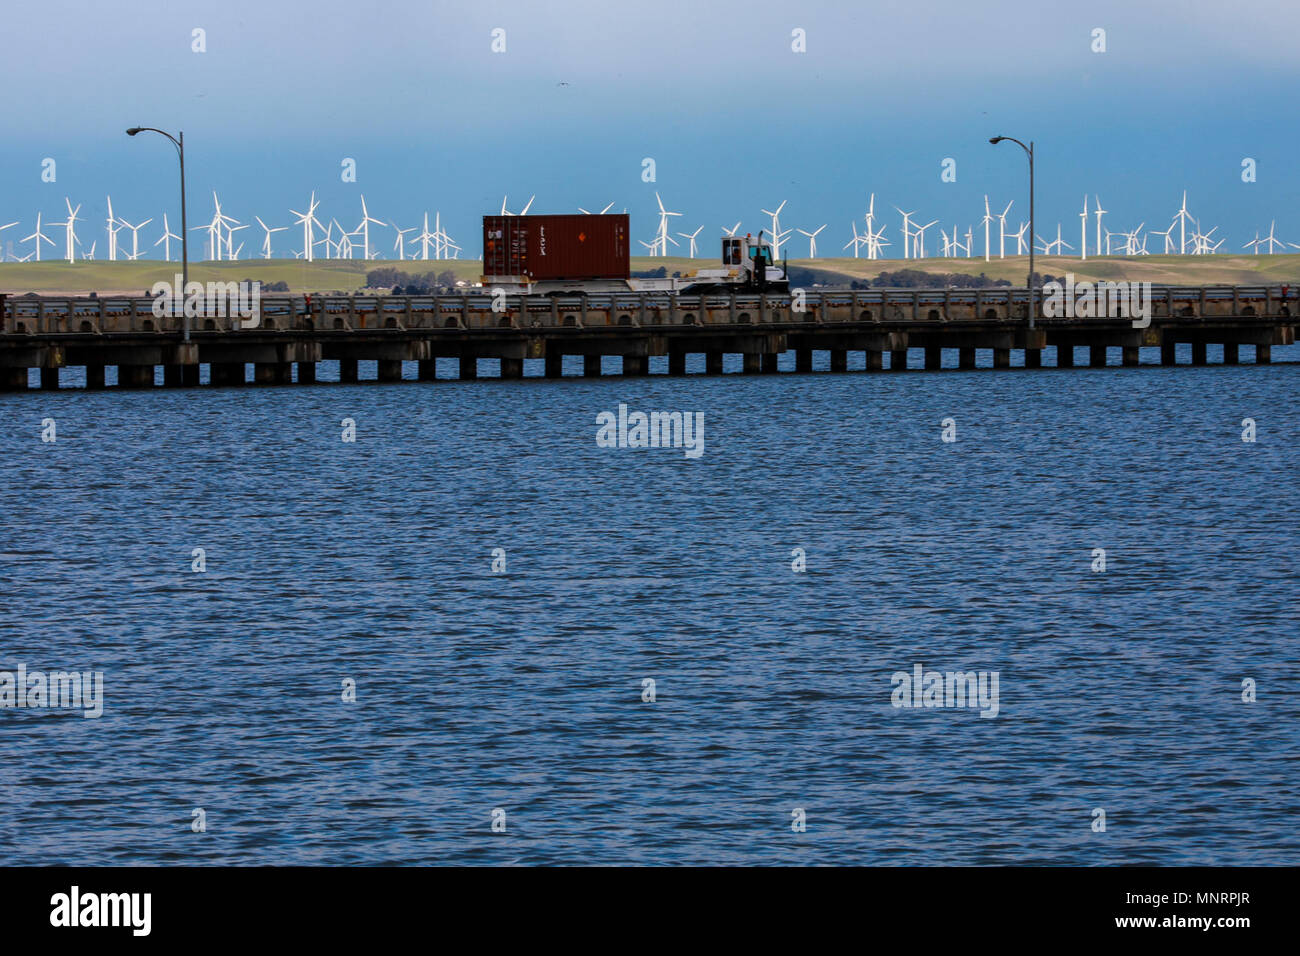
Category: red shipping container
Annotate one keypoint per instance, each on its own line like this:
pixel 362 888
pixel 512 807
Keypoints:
pixel 556 247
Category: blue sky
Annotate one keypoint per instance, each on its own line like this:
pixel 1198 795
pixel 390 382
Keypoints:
pixel 734 119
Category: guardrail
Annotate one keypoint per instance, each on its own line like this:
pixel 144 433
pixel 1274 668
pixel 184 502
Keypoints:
pixel 46 315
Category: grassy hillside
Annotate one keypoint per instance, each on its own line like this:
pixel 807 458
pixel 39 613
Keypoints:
pixel 343 275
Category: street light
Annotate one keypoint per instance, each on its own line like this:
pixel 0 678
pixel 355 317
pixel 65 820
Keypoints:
pixel 179 143
pixel 1029 285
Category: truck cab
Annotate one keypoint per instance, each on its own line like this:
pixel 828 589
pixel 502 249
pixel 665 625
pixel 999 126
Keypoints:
pixel 747 266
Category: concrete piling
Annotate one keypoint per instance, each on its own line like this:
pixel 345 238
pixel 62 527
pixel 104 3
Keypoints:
pixel 591 366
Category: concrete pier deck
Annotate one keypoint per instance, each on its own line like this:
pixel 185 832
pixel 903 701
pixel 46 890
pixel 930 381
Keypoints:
pixel 297 332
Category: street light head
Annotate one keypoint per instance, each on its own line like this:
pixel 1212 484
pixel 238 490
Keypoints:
pixel 997 139
pixel 133 130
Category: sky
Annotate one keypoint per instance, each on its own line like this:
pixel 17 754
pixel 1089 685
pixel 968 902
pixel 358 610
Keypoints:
pixel 733 117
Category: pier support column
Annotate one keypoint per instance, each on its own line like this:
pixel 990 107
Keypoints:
pixel 266 373
pixel 591 366
pixel 713 363
pixel 636 365
pixel 753 363
pixel 1168 353
pixel 95 376
pixel 512 368
pixel 554 365
pixel 347 370
pixel 1002 358
pixel 1263 354
pixel 839 360
pixel 135 376
pixel 1065 356
pixel 390 370
pixel 933 358
pixel 173 376
pixel 13 379
pixel 898 360
pixel 769 366
pixel 803 360
pixel 50 378
pixel 1096 356
pixel 1198 353
pixel 966 358
pixel 190 375
pixel 676 363
pixel 1231 353
pixel 1131 356
pixel 467 367
pixel 875 360
pixel 306 373
pixel 1033 358
pixel 427 369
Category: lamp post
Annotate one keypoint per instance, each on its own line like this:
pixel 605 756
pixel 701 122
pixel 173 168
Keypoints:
pixel 1029 286
pixel 179 143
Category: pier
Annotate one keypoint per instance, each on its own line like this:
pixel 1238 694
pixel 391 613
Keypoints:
pixel 295 333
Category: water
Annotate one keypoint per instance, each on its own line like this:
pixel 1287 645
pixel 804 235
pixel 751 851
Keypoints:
pixel 522 691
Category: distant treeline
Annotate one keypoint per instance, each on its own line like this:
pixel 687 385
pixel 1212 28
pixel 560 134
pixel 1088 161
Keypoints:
pixel 917 279
pixel 406 283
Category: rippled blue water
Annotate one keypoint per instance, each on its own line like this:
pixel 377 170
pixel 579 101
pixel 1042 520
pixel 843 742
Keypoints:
pixel 522 691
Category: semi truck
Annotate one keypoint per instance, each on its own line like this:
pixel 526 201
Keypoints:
pixel 577 254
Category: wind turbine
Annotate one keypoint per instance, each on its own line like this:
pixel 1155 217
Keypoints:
pixel 8 225
pixel 70 231
pixel 1002 230
pixel 857 240
pixel 812 240
pixel 135 236
pixel 1270 238
pixel 522 212
pixel 1183 218
pixel 1099 212
pixel 663 238
pixel 399 246
pixel 987 220
pixel 1019 236
pixel 167 238
pixel 39 237
pixel 906 232
pixel 1083 229
pixel 366 220
pixel 919 243
pixel 112 232
pixel 306 219
pixel 601 213
pixel 691 236
pixel 1169 237
pixel 266 243
pixel 776 228
pixel 732 231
